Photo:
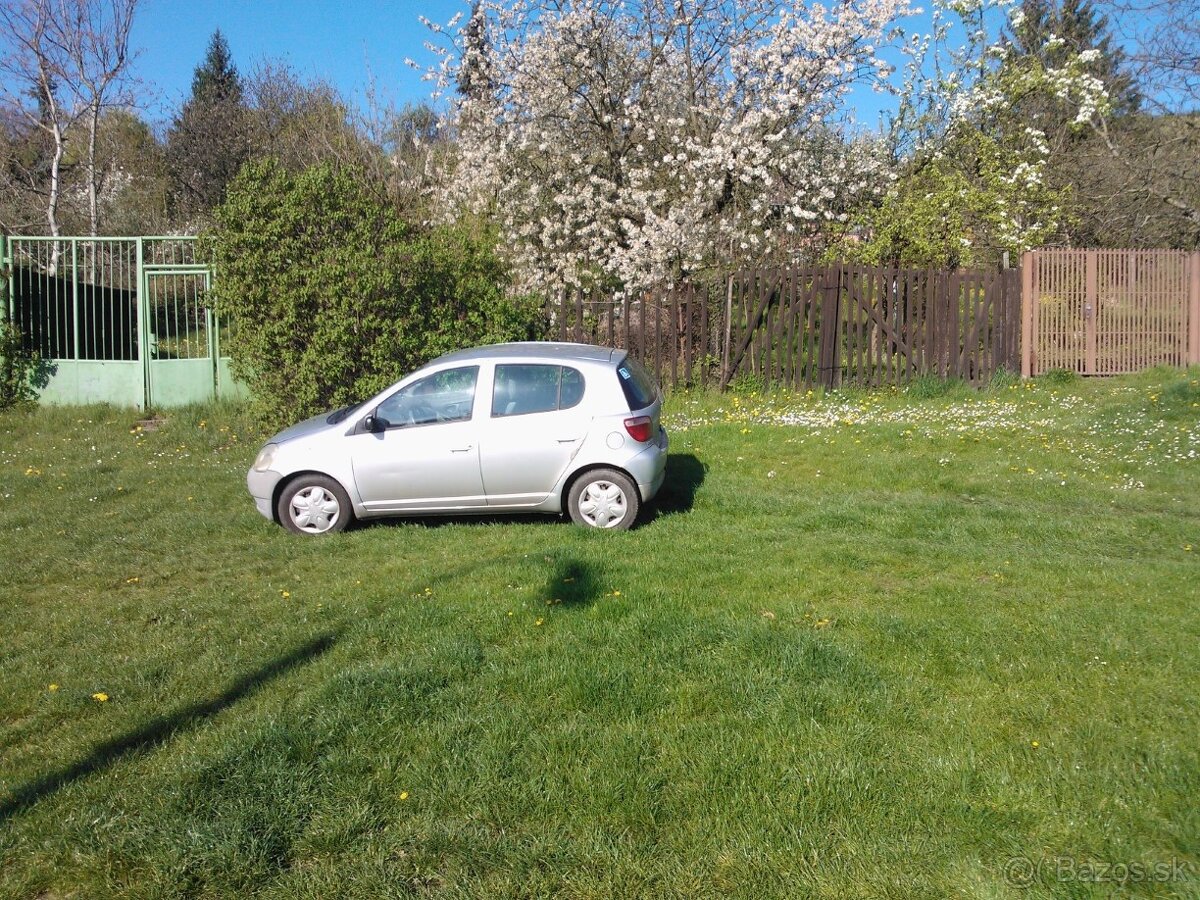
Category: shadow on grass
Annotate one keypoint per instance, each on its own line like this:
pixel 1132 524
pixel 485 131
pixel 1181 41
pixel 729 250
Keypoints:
pixel 572 583
pixel 685 474
pixel 160 730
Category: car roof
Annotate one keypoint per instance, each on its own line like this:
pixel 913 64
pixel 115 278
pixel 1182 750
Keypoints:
pixel 542 350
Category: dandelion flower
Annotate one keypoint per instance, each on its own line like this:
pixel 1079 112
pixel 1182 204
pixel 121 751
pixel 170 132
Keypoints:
pixel 100 697
pixel 539 621
pixel 285 594
pixel 53 688
pixel 404 795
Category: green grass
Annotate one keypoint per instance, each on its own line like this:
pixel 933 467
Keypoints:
pixel 875 652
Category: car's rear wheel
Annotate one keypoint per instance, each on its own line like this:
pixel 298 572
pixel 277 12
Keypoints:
pixel 314 504
pixel 604 498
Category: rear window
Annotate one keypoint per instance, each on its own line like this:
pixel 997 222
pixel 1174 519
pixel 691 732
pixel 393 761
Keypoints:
pixel 637 384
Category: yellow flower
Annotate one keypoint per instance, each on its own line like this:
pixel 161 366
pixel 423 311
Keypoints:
pixel 100 697
pixel 285 594
pixel 404 795
pixel 53 688
pixel 539 622
pixel 1034 744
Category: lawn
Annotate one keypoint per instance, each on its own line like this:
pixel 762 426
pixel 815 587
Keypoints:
pixel 867 645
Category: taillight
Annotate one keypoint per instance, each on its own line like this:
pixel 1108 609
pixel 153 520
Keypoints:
pixel 639 428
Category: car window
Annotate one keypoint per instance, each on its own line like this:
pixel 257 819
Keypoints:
pixel 571 391
pixel 637 384
pixel 531 388
pixel 445 396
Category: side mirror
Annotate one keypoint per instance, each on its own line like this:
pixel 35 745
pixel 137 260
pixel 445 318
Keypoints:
pixel 370 424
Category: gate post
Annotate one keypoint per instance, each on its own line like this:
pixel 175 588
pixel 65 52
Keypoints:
pixel 1027 262
pixel 1194 308
pixel 1090 299
pixel 10 308
pixel 831 296
pixel 143 319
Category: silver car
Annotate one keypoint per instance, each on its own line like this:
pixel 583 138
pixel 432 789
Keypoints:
pixel 531 427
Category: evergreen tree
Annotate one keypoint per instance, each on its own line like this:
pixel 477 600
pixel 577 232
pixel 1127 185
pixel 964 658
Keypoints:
pixel 1079 27
pixel 210 139
pixel 216 79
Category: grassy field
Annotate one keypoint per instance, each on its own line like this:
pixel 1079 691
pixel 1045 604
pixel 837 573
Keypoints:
pixel 929 644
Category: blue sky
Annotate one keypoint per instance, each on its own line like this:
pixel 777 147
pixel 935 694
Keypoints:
pixel 345 42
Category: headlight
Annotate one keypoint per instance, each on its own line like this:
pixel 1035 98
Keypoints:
pixel 265 457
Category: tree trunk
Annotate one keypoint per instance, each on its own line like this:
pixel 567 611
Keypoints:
pixel 93 204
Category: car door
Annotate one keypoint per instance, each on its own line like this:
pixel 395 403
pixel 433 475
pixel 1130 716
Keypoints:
pixel 536 424
pixel 424 450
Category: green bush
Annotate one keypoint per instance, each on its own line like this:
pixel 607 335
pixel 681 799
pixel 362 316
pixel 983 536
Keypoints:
pixel 331 295
pixel 18 364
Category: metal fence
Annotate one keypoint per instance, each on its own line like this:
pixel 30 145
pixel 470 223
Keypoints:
pixel 1106 312
pixel 117 320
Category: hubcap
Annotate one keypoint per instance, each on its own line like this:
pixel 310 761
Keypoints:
pixel 314 510
pixel 603 504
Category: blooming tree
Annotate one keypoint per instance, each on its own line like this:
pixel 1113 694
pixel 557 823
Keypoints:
pixel 975 133
pixel 628 142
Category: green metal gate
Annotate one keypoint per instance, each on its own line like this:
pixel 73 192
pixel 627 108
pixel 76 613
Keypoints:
pixel 182 366
pixel 117 320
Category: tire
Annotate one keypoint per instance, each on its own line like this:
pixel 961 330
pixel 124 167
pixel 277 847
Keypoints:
pixel 313 504
pixel 604 498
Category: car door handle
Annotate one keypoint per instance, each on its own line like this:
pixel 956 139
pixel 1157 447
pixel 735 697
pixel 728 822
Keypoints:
pixel 461 449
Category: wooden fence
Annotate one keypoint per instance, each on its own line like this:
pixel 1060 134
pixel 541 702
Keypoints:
pixel 674 331
pixel 810 327
pixel 1106 312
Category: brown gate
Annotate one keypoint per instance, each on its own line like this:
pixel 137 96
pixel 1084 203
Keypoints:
pixel 1108 312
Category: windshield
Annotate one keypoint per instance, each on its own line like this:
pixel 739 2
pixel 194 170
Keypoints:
pixel 340 414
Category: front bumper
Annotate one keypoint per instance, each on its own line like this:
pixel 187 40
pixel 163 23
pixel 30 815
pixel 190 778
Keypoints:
pixel 262 489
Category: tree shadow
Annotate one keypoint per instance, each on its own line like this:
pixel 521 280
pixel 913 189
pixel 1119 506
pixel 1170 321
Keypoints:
pixel 161 729
pixel 43 370
pixel 572 583
pixel 685 474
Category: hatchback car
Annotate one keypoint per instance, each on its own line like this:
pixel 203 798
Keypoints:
pixel 529 427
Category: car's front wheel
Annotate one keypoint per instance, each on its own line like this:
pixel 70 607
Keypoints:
pixel 314 504
pixel 604 498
